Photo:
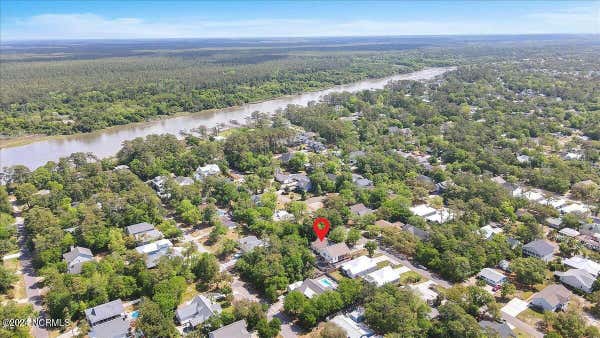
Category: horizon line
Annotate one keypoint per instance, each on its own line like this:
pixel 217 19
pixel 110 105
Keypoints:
pixel 3 40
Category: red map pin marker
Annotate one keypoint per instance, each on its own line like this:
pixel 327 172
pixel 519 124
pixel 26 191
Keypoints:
pixel 321 227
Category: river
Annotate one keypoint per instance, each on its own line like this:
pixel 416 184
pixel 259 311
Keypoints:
pixel 105 143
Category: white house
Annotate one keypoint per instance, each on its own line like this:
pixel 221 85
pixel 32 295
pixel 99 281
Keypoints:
pixel 359 266
pixel 385 275
pixel 580 262
pixel 488 231
pixel 154 251
pixel 492 277
pixel 351 327
pixel 205 171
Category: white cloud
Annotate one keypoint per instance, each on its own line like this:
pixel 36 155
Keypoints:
pixel 87 25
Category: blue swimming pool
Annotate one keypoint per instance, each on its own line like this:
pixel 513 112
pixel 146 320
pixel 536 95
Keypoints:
pixel 135 314
pixel 326 282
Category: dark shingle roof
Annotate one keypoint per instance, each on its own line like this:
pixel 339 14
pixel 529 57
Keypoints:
pixel 104 311
pixel 138 228
pixel 233 330
pixel 540 247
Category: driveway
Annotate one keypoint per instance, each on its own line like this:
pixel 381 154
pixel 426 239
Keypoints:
pixel 33 284
pixel 514 307
pixel 288 328
pixel 517 323
pixel 243 290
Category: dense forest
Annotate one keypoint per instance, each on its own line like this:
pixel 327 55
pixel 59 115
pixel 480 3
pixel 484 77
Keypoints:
pixel 65 89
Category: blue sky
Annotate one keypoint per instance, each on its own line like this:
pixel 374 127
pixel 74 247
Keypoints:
pixel 26 20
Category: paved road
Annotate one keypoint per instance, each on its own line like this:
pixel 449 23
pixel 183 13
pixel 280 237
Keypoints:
pixel 288 328
pixel 33 286
pixel 421 272
pixel 528 329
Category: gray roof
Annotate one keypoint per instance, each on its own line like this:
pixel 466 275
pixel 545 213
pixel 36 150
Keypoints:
pixel 313 285
pixel 197 311
pixel 104 311
pixel 491 275
pixel 250 242
pixel 540 247
pixel 302 181
pixel 76 252
pixel 554 294
pixel 139 227
pixel 580 275
pixel 337 250
pixel 360 209
pixel 418 232
pixel 501 329
pixel 233 330
pixel 115 328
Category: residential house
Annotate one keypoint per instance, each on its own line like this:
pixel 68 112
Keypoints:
pixel 361 182
pixel 203 172
pixel 385 275
pixel 500 329
pixel 302 182
pixel 360 210
pixel 541 249
pixel 352 328
pixel 314 286
pixel 591 242
pixel 331 252
pixel 76 257
pixel 431 214
pixel 523 159
pixel 504 265
pixel 154 251
pixel 183 181
pixel 158 184
pixel 108 320
pixel 144 232
pixel 492 277
pixel 282 215
pixel 248 243
pixel 418 232
pixel 359 266
pixel 577 278
pixel 567 233
pixel 554 222
pixel 426 291
pixel 580 262
pixel 552 298
pixel 233 330
pixel 488 231
pixel 197 311
pixel 577 208
pixel 591 228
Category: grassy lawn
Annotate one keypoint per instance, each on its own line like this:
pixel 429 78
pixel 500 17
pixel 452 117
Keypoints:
pixel 410 277
pixel 531 317
pixel 189 293
pixel 336 275
pixel 382 264
pixel 18 290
